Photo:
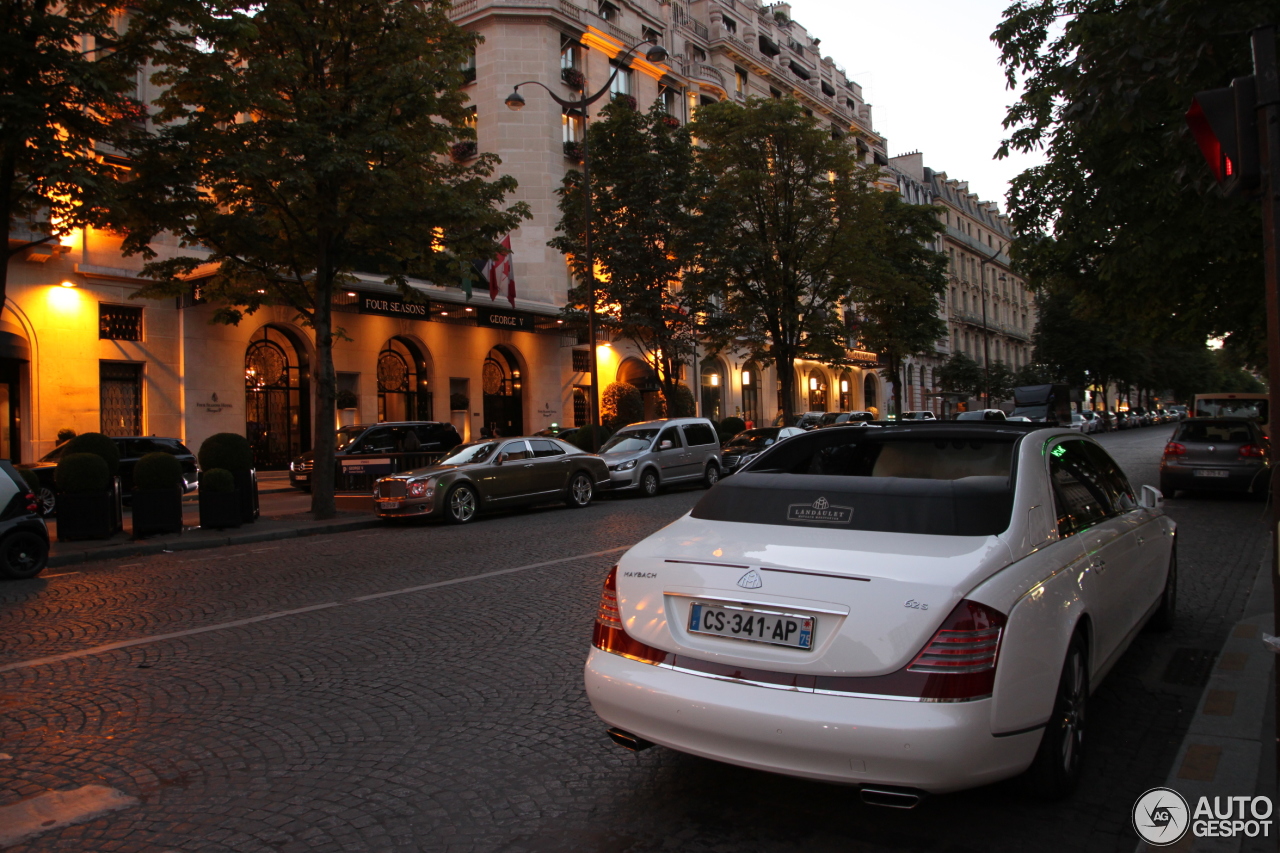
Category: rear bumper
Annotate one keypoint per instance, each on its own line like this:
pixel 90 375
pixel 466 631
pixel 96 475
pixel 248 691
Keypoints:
pixel 1240 478
pixel 933 746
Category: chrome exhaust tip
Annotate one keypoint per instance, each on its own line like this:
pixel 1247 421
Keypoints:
pixel 891 798
pixel 627 740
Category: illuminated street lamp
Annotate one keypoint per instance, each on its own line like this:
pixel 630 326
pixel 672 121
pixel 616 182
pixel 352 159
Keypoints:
pixel 515 101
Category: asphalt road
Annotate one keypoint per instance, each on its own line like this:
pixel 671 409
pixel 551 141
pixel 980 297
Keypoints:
pixel 420 688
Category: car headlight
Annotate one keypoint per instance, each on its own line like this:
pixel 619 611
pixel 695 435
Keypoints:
pixel 293 466
pixel 624 466
pixel 420 489
pixel 743 460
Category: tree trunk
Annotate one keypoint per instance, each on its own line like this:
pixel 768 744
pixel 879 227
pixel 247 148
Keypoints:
pixel 323 505
pixel 895 370
pixel 785 367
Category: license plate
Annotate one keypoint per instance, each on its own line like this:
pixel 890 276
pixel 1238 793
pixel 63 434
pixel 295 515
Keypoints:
pixel 757 626
pixel 1206 472
pixel 301 478
pixel 389 504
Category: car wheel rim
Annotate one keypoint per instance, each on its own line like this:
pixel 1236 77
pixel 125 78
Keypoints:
pixel 713 476
pixel 463 505
pixel 1072 714
pixel 582 490
pixel 650 484
pixel 46 501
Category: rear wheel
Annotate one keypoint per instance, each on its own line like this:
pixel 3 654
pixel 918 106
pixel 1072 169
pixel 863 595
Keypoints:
pixel 22 555
pixel 1162 619
pixel 46 500
pixel 712 476
pixel 1055 772
pixel 649 483
pixel 461 505
pixel 581 490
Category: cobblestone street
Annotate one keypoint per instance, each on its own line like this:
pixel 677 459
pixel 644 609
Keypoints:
pixel 420 688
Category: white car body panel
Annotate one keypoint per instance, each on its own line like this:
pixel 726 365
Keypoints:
pixel 868 591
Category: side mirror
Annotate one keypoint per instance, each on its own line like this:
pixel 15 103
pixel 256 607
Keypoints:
pixel 666 445
pixel 1150 498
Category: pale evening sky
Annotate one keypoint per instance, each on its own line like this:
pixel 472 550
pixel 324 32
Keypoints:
pixel 932 76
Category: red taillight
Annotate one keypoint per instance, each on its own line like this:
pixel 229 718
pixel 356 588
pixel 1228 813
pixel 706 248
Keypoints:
pixel 30 498
pixel 961 657
pixel 1173 448
pixel 1252 451
pixel 610 636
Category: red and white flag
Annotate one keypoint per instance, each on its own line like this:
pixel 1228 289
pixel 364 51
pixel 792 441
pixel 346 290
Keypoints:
pixel 502 278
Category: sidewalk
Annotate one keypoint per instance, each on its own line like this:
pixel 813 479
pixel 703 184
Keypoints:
pixel 1229 749
pixel 283 521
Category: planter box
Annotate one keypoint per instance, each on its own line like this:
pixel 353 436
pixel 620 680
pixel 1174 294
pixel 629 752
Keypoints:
pixel 247 489
pixel 88 515
pixel 156 511
pixel 219 510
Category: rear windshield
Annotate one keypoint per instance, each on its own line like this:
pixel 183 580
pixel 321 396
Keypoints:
pixel 1217 407
pixel 895 481
pixel 1203 429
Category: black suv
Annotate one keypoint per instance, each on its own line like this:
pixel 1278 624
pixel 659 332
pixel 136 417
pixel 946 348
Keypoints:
pixel 132 448
pixel 369 447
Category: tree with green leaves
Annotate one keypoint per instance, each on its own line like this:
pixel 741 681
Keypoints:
pixel 645 187
pixel 789 231
pixel 68 103
pixel 961 375
pixel 300 140
pixel 1137 226
pixel 899 302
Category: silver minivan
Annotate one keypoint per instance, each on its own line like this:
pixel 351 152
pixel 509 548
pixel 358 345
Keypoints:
pixel 653 454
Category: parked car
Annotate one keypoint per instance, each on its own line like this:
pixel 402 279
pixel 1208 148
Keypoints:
pixel 497 473
pixel 132 448
pixel 375 442
pixel 837 418
pixel 1092 423
pixel 982 415
pixel 918 416
pixel 1078 422
pixel 749 444
pixel 1219 455
pixel 809 420
pixel 806 616
pixel 24 539
pixel 653 454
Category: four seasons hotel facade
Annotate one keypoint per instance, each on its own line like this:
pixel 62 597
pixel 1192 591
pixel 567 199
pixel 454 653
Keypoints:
pixel 76 352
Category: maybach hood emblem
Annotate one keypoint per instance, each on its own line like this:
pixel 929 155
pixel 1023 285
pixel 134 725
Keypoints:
pixel 750 580
pixel 821 511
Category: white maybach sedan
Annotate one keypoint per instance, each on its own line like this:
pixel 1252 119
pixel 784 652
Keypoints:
pixel 915 609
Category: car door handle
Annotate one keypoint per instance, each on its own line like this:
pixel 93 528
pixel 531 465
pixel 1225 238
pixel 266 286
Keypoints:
pixel 1099 565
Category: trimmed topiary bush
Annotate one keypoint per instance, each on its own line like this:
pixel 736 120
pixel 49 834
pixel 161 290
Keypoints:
pixel 683 406
pixel 82 473
pixel 99 444
pixel 157 471
pixel 582 438
pixel 227 450
pixel 620 405
pixel 217 481
pixel 731 426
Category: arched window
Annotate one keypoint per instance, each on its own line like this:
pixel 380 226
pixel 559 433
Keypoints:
pixel 403 390
pixel 817 388
pixel 277 398
pixel 502 387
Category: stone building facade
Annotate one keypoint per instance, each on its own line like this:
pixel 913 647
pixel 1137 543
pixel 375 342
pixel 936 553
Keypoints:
pixel 77 352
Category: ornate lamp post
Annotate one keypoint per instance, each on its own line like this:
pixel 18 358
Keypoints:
pixel 515 101
pixel 986 332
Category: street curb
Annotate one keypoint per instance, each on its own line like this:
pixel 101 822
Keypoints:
pixel 144 549
pixel 1222 751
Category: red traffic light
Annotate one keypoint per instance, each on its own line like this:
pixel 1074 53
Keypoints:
pixel 1225 125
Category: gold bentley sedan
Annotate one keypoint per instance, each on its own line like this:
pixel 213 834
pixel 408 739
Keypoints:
pixel 497 473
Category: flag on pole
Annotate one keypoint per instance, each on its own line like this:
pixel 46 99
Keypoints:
pixel 502 279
